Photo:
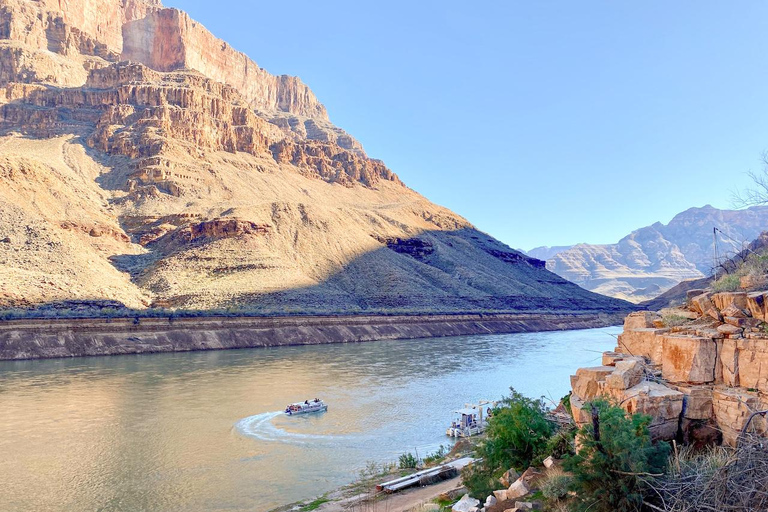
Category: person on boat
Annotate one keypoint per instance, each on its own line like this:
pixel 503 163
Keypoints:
pixel 317 401
pixel 306 402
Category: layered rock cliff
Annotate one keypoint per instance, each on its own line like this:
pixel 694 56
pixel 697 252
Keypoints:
pixel 653 259
pixel 146 162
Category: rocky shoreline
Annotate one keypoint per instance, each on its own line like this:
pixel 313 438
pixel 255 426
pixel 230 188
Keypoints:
pixel 54 338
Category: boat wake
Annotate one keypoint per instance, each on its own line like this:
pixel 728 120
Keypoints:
pixel 261 427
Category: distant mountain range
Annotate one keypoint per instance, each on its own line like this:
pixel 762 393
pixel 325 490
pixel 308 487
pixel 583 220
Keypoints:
pixel 653 259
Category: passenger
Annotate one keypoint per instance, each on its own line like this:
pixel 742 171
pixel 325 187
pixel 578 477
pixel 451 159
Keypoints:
pixel 306 402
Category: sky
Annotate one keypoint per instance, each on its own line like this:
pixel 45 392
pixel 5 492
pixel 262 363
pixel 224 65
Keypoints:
pixel 541 122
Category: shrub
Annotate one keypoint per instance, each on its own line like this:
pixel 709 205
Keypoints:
pixel 407 461
pixel 672 320
pixel 555 486
pixel 727 283
pixel 561 444
pixel 609 467
pixel 518 433
pixel 437 456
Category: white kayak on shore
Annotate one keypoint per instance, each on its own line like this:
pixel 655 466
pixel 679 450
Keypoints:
pixel 305 407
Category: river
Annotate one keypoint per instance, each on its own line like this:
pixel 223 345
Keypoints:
pixel 202 431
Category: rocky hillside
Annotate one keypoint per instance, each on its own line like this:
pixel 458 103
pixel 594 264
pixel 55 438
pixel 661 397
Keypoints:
pixel 145 162
pixel 653 259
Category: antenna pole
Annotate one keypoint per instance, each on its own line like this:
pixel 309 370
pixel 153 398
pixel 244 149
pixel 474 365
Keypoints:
pixel 714 250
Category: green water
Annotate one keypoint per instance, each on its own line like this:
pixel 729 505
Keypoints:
pixel 202 431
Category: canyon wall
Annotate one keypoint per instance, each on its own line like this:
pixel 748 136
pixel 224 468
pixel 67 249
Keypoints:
pixel 35 339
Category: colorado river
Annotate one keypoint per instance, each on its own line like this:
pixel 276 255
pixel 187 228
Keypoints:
pixel 202 431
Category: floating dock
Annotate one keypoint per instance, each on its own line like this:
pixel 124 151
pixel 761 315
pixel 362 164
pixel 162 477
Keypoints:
pixel 425 476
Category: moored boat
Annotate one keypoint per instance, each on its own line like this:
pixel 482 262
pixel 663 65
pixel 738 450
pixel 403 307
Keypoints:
pixel 306 406
pixel 471 420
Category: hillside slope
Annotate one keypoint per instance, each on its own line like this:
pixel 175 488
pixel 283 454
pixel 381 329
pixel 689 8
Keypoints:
pixel 146 162
pixel 653 259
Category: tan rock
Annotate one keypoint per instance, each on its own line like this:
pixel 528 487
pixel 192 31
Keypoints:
pixel 626 375
pixel 733 311
pixel 752 281
pixel 590 382
pixel 730 330
pixel 723 300
pixel 732 407
pixel 703 304
pixel 689 359
pixel 729 362
pixel 643 342
pixel 517 490
pixel 500 495
pixel 640 320
pixel 662 403
pixel 697 402
pixel 756 305
pixel 508 477
pixel 753 363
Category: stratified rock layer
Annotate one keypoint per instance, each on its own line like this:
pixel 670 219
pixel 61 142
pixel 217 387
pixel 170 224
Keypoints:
pixel 145 162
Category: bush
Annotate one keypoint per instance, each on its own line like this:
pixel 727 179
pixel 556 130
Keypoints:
pixel 672 320
pixel 727 283
pixel 609 466
pixel 479 480
pixel 555 486
pixel 518 433
pixel 561 444
pixel 407 461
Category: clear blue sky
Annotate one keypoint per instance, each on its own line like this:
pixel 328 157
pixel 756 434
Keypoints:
pixel 541 122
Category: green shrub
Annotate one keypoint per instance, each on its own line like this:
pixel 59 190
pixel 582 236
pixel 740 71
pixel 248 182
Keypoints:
pixel 727 283
pixel 555 487
pixel 407 461
pixel 673 320
pixel 437 456
pixel 517 433
pixel 560 445
pixel 608 469
pixel 479 480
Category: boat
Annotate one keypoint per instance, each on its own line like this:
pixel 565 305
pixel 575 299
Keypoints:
pixel 305 407
pixel 472 420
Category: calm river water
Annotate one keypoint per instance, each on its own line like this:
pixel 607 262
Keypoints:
pixel 202 431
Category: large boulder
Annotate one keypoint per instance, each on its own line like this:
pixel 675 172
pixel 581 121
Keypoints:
pixel 642 342
pixel 697 402
pixel 756 305
pixel 465 503
pixel 689 359
pixel 752 363
pixel 518 489
pixel 732 408
pixel 626 375
pixel 640 320
pixel 662 404
pixel 590 382
pixel 723 300
pixel 703 305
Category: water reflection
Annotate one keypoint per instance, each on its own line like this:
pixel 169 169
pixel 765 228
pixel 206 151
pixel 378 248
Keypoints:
pixel 202 430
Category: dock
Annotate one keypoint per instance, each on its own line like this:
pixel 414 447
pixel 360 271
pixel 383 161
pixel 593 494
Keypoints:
pixel 426 476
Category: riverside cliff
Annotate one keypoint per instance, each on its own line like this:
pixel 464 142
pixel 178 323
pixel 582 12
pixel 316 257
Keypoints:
pixel 145 163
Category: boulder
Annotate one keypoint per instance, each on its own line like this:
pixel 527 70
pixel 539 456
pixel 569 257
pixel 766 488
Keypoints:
pixel 626 375
pixel 518 489
pixel 756 305
pixel 527 505
pixel 689 359
pixel 590 382
pixel 723 300
pixel 549 462
pixel 642 342
pixel 734 312
pixel 466 503
pixel 732 407
pixel 703 305
pixel 752 363
pixel 640 320
pixel 663 404
pixel 729 362
pixel 499 495
pixel 697 402
pixel 744 323
pixel 693 293
pixel 508 477
pixel 492 499
pixel 730 331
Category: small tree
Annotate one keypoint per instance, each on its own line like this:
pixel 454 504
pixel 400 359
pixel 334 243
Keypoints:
pixel 517 433
pixel 616 454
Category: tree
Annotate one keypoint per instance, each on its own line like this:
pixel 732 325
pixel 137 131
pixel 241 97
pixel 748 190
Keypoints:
pixel 615 456
pixel 518 432
pixel 757 194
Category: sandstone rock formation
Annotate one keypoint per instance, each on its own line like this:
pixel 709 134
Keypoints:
pixel 696 379
pixel 145 162
pixel 653 259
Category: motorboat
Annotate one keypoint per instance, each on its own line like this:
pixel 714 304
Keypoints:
pixel 471 420
pixel 305 407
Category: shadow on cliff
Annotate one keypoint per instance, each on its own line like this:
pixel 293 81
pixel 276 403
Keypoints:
pixel 460 271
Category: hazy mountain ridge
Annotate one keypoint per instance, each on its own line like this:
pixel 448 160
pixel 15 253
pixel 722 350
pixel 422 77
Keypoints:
pixel 653 259
pixel 192 178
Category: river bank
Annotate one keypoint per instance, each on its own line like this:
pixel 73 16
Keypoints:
pixel 54 338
